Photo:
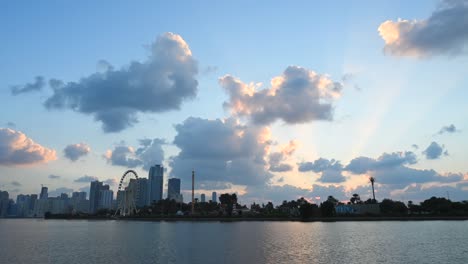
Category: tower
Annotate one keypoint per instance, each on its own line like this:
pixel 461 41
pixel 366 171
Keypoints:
pixel 155 182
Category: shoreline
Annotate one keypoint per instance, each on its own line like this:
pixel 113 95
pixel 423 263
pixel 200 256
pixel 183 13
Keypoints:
pixel 271 219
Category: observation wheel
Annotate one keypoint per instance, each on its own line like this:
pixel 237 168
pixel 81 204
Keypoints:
pixel 128 194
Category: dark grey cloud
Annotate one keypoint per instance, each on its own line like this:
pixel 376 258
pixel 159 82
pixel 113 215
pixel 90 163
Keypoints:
pixel 297 96
pixel 443 33
pixel 434 151
pixel 448 129
pixel 330 170
pixel 75 151
pixel 86 178
pixel 54 177
pixel 148 154
pixel 415 146
pixel 115 97
pixel 17 149
pixel 222 151
pixel 15 183
pixel 37 85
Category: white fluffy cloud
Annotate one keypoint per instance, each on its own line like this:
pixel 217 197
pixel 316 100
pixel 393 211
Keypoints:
pixel 278 160
pixel 17 149
pixel 115 97
pixel 75 151
pixel 443 33
pixel 298 95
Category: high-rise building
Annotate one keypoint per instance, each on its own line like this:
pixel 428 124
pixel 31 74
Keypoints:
pixel 105 199
pixel 44 194
pixel 202 198
pixel 173 188
pixel 32 202
pixel 23 205
pixel 214 197
pixel 142 198
pixel 4 203
pixel 156 177
pixel 95 195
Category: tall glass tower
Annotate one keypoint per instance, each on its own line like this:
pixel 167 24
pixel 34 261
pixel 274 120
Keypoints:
pixel 155 178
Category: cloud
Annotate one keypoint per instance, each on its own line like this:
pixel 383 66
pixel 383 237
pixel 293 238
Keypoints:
pixel 75 151
pixel 420 192
pixel 54 177
pixel 11 124
pixel 111 181
pixel 86 178
pixel 37 85
pixel 148 154
pixel 59 191
pixel 221 150
pixel 115 97
pixel 362 165
pixel 330 170
pixel 278 193
pixel 443 33
pixel 17 149
pixel 434 151
pixel 15 183
pixel 277 159
pixel 297 96
pixel 448 129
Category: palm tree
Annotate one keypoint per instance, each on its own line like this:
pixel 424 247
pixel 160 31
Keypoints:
pixel 372 180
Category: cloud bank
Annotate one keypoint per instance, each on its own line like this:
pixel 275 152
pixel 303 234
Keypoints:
pixel 443 33
pixel 222 151
pixel 297 96
pixel 75 151
pixel 17 149
pixel 148 154
pixel 114 97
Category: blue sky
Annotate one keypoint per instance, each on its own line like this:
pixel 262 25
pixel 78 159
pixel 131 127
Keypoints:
pixel 392 100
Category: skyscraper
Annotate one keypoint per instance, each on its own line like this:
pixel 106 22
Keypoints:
pixel 156 177
pixel 202 198
pixel 214 197
pixel 143 192
pixel 96 187
pixel 105 199
pixel 173 188
pixel 4 203
pixel 44 194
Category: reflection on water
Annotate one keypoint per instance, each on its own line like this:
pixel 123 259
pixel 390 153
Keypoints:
pixel 57 241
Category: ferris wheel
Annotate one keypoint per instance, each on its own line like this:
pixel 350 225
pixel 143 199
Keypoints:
pixel 128 194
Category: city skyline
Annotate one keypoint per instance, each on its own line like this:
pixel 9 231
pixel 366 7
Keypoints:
pixel 295 107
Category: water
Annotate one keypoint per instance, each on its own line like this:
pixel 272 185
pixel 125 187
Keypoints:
pixel 59 241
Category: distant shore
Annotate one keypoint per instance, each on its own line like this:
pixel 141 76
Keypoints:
pixel 266 219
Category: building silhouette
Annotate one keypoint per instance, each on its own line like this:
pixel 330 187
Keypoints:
pixel 202 198
pixel 173 189
pixel 214 197
pixel 44 193
pixel 155 177
pixel 143 195
pixel 95 195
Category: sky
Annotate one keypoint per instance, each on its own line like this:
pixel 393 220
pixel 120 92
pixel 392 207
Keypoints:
pixel 271 100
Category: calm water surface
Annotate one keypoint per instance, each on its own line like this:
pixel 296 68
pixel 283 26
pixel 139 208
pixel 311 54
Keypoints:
pixel 58 241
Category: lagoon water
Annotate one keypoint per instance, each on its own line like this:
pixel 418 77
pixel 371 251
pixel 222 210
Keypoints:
pixel 61 241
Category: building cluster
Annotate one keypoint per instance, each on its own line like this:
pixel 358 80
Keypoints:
pixel 146 191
